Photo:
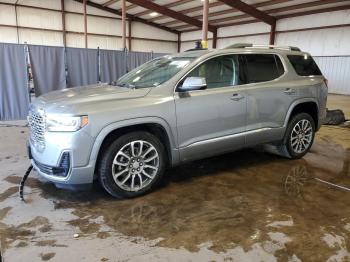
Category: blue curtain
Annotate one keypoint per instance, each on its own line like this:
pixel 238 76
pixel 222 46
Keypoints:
pixel 112 65
pixel 82 66
pixel 14 93
pixel 48 68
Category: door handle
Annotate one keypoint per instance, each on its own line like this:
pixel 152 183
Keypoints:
pixel 236 97
pixel 289 91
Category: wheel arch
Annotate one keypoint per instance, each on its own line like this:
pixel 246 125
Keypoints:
pixel 156 126
pixel 309 106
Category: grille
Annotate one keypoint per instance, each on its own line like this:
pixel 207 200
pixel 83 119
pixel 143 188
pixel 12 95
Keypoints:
pixel 36 121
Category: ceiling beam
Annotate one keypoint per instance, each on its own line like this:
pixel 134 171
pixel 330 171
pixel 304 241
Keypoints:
pixel 317 11
pixel 250 10
pixel 189 10
pixel 172 4
pixel 128 7
pixel 129 16
pixel 218 22
pixel 170 13
pixel 110 2
pixel 297 14
pixel 232 11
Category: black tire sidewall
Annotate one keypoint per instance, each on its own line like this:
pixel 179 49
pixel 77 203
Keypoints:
pixel 105 164
pixel 290 127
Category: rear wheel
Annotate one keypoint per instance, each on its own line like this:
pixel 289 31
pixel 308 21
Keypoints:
pixel 132 165
pixel 300 135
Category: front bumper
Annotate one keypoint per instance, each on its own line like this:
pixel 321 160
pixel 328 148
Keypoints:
pixel 76 176
pixel 51 164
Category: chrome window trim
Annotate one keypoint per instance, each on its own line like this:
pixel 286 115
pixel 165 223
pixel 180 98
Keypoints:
pixel 234 53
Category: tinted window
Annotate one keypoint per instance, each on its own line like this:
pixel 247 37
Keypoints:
pixel 262 67
pixel 219 71
pixel 304 65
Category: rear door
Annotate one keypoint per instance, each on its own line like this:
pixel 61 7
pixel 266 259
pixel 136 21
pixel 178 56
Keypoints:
pixel 268 97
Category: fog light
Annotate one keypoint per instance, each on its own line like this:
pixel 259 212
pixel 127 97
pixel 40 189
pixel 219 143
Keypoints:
pixel 63 169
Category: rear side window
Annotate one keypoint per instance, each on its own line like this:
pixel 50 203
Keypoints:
pixel 304 65
pixel 262 67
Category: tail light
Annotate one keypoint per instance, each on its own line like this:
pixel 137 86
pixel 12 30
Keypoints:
pixel 326 82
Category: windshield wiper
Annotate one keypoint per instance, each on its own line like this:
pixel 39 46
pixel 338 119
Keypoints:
pixel 114 83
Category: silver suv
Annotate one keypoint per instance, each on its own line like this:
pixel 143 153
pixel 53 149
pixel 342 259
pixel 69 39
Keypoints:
pixel 174 109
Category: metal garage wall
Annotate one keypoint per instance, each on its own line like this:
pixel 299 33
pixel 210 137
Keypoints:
pixel 104 32
pixel 14 98
pixel 337 71
pixel 48 68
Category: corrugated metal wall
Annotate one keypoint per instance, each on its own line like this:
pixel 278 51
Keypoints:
pixel 331 46
pixel 46 19
pixel 337 71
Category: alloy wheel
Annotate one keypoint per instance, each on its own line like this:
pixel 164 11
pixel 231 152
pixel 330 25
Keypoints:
pixel 135 165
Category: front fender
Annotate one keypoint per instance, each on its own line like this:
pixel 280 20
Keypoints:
pixel 132 122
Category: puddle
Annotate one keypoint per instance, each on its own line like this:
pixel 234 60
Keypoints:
pixel 243 199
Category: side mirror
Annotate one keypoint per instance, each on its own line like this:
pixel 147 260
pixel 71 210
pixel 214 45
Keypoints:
pixel 193 83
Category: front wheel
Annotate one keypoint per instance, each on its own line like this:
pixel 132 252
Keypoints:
pixel 132 165
pixel 299 135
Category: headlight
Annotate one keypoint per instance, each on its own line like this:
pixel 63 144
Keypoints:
pixel 56 123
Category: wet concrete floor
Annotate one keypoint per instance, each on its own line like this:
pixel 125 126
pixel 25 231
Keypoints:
pixel 243 206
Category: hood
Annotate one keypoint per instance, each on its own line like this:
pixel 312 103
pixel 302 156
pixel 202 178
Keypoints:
pixel 72 99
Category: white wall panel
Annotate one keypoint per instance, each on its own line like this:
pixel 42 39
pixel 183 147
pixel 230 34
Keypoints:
pixel 8 35
pixel 75 40
pixel 7 15
pixel 31 17
pixel 243 29
pixel 195 35
pixel 74 23
pixel 73 6
pixel 113 43
pixel 52 4
pixel 37 37
pixel 155 46
pixel 110 26
pixel 258 39
pixel 336 70
pixel 326 42
pixel 316 20
pixel 186 45
pixel 146 31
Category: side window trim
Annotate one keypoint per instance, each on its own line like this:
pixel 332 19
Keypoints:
pixel 275 56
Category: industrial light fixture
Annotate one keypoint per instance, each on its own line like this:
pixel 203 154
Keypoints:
pixel 153 14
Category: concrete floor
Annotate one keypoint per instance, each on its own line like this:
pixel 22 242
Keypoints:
pixel 244 206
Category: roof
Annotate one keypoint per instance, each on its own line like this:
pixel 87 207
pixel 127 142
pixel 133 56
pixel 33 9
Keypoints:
pixel 186 15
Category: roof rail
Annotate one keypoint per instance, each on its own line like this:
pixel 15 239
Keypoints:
pixel 248 45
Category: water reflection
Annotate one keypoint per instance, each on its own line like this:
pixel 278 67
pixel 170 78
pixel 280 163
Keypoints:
pixel 229 204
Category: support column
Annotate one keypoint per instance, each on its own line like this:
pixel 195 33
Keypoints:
pixel 273 33
pixel 85 25
pixel 63 24
pixel 205 24
pixel 179 42
pixel 124 24
pixel 215 38
pixel 130 34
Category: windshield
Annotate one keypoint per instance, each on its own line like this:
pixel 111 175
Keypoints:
pixel 154 72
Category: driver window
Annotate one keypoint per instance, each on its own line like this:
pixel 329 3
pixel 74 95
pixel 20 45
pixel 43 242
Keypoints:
pixel 219 71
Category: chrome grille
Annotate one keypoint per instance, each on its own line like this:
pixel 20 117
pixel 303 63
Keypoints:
pixel 36 120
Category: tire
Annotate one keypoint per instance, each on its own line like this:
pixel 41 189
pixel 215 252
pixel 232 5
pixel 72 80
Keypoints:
pixel 125 169
pixel 297 145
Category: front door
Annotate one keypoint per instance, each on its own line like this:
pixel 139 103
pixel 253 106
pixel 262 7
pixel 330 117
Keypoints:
pixel 212 120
